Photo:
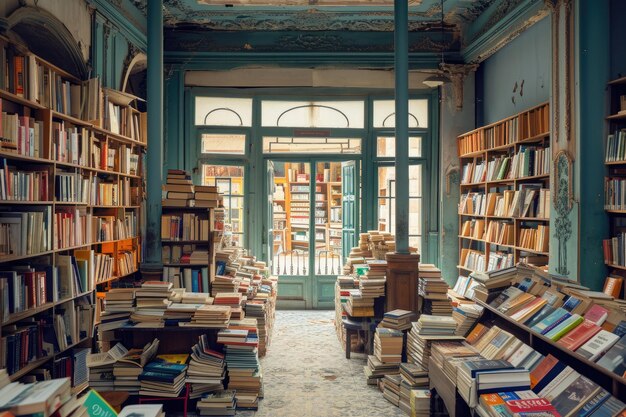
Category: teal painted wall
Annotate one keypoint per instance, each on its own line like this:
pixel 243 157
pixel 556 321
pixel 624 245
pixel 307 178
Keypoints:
pixel 593 71
pixel 618 46
pixel 525 60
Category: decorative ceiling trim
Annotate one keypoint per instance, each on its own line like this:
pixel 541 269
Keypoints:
pixel 507 28
pixel 131 27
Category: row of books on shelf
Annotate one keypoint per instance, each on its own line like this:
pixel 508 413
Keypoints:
pixel 616 146
pixel 535 239
pixel 185 254
pixel 23 185
pixel 23 135
pixel 46 335
pixel 615 193
pixel 185 226
pixel 528 162
pixel 478 261
pixel 524 126
pixel 120 158
pixel 614 250
pixel 191 279
pixel 529 201
pixel 179 191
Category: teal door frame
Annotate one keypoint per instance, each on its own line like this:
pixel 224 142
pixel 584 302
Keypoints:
pixel 312 290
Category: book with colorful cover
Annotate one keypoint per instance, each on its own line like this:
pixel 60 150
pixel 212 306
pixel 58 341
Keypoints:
pixel 575 395
pixel 620 329
pixel 580 335
pixel 529 309
pixel 556 323
pixel 544 372
pixel 571 303
pixel 533 404
pixel 549 320
pixel 609 408
pixel 174 357
pixel 564 327
pixel 544 312
pixel 165 367
pixel 597 314
pixel 483 365
pixel 594 403
pixel 598 345
pixel 613 286
pixel 97 406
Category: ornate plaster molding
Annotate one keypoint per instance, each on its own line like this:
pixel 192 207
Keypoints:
pixel 563 203
pixel 457 74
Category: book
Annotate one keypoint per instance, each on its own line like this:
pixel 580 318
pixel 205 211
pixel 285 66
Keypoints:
pixel 41 398
pixel 597 314
pixel 613 286
pixel 97 406
pixel 614 358
pixel 598 345
pixel 580 335
pixel 142 410
pixel 575 396
pixel 564 327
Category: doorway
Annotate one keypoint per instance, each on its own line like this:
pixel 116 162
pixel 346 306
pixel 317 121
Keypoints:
pixel 312 225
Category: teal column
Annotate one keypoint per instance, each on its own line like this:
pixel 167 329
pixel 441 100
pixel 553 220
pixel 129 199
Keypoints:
pixel 155 135
pixel 401 16
pixel 592 48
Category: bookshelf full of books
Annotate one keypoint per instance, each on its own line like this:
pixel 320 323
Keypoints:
pixel 191 228
pixel 70 210
pixel 504 207
pixel 615 181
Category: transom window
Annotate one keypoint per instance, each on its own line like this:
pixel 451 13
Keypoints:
pixel 329 114
pixel 385 113
pixel 223 111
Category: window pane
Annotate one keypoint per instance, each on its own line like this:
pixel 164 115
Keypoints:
pixel 223 144
pixel 313 113
pixel 223 111
pixel 386 147
pixel 415 216
pixel 415 181
pixel 229 180
pixel 311 145
pixel 416 242
pixel 384 113
pixel 387 181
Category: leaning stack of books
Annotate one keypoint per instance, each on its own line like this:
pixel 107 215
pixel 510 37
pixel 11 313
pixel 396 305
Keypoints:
pixel 101 366
pixel 372 283
pixel 434 325
pixel 375 369
pixel 420 403
pixel 485 286
pixel 210 316
pixel 413 377
pixel 465 316
pixel 425 331
pixel 232 299
pixel 207 369
pixel 222 403
pixel 433 291
pixel 119 304
pixel 391 388
pixel 178 190
pixel 242 362
pixel 224 284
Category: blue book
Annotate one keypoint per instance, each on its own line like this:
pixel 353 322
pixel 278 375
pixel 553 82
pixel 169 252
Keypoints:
pixel 551 318
pixel 594 403
pixel 526 284
pixel 509 395
pixel 609 408
pixel 195 281
pixel 158 376
pixel 620 329
pixel 555 324
pixel 571 303
pixel 553 373
pixel 165 367
pixel 540 315
pixel 484 365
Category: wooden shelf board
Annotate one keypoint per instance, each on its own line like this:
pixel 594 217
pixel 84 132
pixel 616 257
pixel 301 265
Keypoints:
pixel 616 116
pixel 20 100
pixel 18 157
pixel 116 277
pixel 616 211
pixel 533 219
pixel 615 163
pixel 616 266
pixel 532 251
pixel 71 119
pixel 621 80
pixel 473 184
pixel 70 203
pixel 532 177
pixel 506 181
pixel 500 147
pixel 30 367
pixel 184 242
pixel 472 238
pixel 533 139
pixel 473 154
pixel 500 217
pixel 99 206
pixel 26 203
pixel 184 265
pixel 15 317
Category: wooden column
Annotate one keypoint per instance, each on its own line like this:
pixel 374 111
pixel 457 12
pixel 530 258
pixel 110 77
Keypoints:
pixel 402 276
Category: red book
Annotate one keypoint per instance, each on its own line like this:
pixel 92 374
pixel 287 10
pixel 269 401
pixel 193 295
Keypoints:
pixel 532 404
pixel 542 369
pixel 18 71
pixel 579 336
pixel 613 286
pixel 597 314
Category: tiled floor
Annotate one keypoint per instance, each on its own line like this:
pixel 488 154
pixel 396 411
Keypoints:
pixel 306 373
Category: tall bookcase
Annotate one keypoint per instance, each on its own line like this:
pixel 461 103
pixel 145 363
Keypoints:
pixel 615 182
pixel 505 198
pixel 71 193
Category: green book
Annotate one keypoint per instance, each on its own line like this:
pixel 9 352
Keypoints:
pixel 97 406
pixel 562 329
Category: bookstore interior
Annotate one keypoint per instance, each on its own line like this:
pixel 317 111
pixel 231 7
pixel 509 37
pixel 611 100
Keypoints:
pixel 193 191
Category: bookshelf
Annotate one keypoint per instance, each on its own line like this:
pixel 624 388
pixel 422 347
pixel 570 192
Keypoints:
pixel 504 209
pixel 615 181
pixel 188 236
pixel 70 208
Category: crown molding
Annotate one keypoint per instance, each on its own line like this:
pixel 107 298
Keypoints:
pixel 131 25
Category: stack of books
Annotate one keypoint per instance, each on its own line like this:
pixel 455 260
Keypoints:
pixel 358 305
pixel 388 345
pixel 413 377
pixel 447 355
pixel 465 316
pixel 398 319
pixel 224 284
pixel 433 291
pixel 207 369
pixel 256 309
pixel 375 369
pixel 232 299
pixel 119 304
pixel 163 379
pixel 485 286
pixel 391 388
pixel 152 300
pixel 101 366
pixel 43 398
pixel 206 196
pixel 210 316
pixel 434 325
pixel 372 284
pixel 419 344
pixel 420 403
pixel 177 314
pixel 242 362
pixel 128 368
pixel 178 190
pixel 222 403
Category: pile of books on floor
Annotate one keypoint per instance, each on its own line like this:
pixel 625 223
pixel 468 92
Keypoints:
pixel 425 331
pixel 372 283
pixel 398 319
pixel 375 369
pixel 207 369
pixel 465 316
pixel 129 367
pixel 178 190
pixel 420 403
pixel 221 403
pixel 152 300
pixel 413 378
pixel 388 345
pixel 101 367
pixel 433 291
pixel 390 386
pixel 242 362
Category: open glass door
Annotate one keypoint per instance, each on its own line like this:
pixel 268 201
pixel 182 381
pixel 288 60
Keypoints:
pixel 349 200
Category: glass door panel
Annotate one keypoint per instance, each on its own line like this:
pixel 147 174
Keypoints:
pixel 229 180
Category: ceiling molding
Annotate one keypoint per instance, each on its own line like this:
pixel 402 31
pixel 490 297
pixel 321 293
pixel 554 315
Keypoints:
pixel 131 23
pixel 502 27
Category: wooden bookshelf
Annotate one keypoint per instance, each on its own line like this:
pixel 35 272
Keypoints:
pixel 510 161
pixel 71 195
pixel 615 180
pixel 610 381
